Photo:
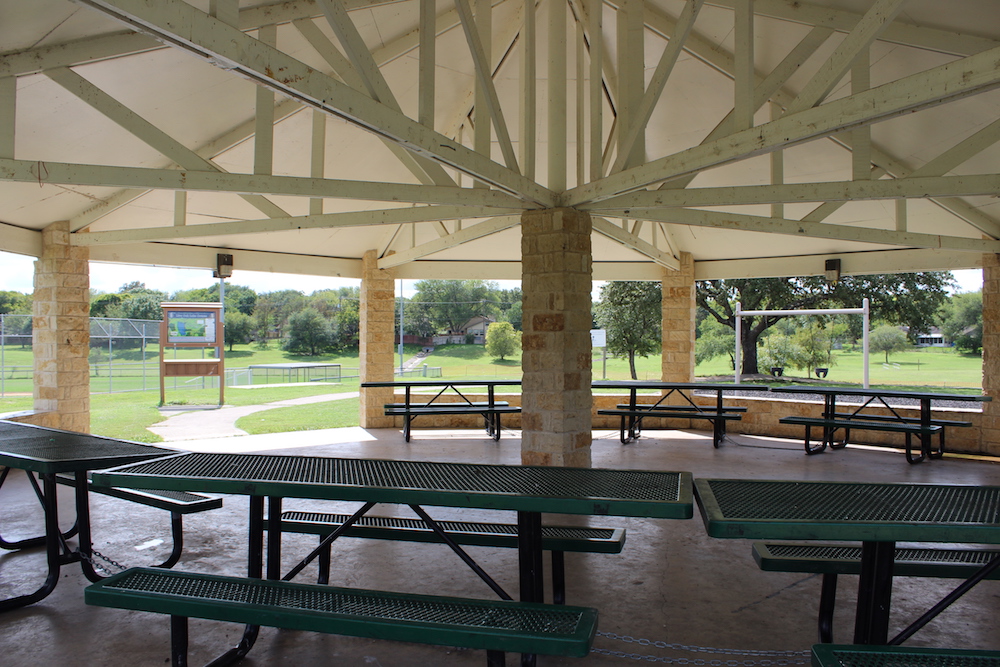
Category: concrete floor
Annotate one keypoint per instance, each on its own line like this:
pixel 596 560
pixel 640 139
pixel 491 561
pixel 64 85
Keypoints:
pixel 672 591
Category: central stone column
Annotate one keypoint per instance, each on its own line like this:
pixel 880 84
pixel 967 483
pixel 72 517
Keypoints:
pixel 556 267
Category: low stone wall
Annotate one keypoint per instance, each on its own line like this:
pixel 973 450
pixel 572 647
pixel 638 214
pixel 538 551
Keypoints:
pixel 761 418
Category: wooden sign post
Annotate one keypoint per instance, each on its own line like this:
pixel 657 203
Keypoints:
pixel 192 325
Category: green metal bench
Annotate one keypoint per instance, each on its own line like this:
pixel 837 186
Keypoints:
pixel 494 625
pixel 631 418
pixel 828 655
pixel 557 539
pixel 178 503
pixel 909 430
pixel 833 559
pixel 960 423
pixel 490 413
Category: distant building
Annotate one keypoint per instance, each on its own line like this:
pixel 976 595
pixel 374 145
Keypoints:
pixel 475 327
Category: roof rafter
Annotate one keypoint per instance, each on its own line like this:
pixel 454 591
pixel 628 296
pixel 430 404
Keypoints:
pixel 464 235
pixel 195 32
pixel 938 85
pixel 392 216
pixel 31 171
pixel 819 230
pixel 629 240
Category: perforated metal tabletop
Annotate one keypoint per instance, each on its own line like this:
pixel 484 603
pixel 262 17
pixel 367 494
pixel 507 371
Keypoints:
pixel 47 450
pixel 765 509
pixel 526 488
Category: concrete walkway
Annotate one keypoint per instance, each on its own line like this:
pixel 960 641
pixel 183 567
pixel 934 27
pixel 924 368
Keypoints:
pixel 201 423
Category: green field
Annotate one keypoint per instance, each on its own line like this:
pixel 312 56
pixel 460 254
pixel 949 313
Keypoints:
pixel 127 414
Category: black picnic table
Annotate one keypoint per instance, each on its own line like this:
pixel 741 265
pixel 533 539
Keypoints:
pixel 528 490
pixel 876 514
pixel 490 411
pixel 632 417
pixel 48 452
pixel 877 397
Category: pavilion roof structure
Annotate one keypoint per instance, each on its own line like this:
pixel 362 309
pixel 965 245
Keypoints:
pixel 763 137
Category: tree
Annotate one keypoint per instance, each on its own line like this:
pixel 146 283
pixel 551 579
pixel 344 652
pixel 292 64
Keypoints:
pixel 910 299
pixel 887 339
pixel 812 348
pixel 713 339
pixel 452 303
pixel 238 328
pixel 631 313
pixel 501 340
pixel 308 332
pixel 15 303
pixel 962 321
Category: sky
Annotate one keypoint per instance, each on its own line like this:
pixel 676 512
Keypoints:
pixel 17 271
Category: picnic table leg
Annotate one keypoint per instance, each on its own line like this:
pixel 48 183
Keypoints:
pixel 871 624
pixel 925 439
pixel 52 555
pixel 529 549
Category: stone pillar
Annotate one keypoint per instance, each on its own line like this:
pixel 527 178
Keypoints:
pixel 61 331
pixel 376 333
pixel 679 319
pixel 556 279
pixel 990 432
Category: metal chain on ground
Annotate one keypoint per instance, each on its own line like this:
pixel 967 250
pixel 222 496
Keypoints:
pixel 780 658
pixel 99 566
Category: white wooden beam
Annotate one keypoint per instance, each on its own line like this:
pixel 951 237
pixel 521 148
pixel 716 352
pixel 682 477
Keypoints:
pixel 180 208
pixel 606 228
pixel 529 89
pixel 465 235
pixel 393 216
pixel 939 85
pixel 861 154
pixel 227 11
pixel 484 76
pixel 427 64
pixel 557 125
pixel 906 34
pixel 875 21
pixel 752 223
pixel 643 110
pixel 913 187
pixel 744 76
pixel 146 131
pixel 630 32
pixel 852 264
pixel 317 157
pixel 596 25
pixel 188 29
pixel 8 115
pixel 263 136
pixel 26 171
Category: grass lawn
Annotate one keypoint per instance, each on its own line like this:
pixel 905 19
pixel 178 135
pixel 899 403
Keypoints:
pixel 128 414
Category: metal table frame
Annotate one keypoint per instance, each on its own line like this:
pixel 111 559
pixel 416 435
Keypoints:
pixel 877 514
pixel 925 398
pixel 668 389
pixel 46 452
pixel 492 419
pixel 528 490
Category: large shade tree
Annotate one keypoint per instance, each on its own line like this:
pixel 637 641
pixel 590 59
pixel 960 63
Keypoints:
pixel 909 299
pixel 631 313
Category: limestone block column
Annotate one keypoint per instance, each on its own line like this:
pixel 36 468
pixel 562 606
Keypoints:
pixel 61 331
pixel 556 266
pixel 679 319
pixel 990 431
pixel 376 333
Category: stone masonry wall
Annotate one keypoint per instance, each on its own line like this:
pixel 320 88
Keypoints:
pixel 376 332
pixel 61 331
pixel 990 436
pixel 556 359
pixel 679 317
